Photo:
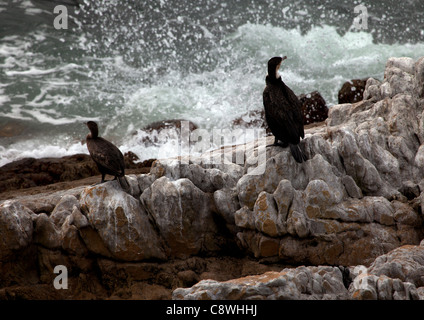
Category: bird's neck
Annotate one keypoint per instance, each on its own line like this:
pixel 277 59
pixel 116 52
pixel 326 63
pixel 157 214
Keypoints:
pixel 273 79
pixel 273 73
pixel 92 135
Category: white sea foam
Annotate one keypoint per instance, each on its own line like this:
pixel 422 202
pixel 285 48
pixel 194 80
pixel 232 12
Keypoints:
pixel 38 149
pixel 4 99
pixel 34 71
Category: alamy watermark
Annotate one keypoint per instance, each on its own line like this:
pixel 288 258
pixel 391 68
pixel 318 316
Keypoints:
pixel 61 19
pixel 215 147
pixel 61 281
pixel 361 21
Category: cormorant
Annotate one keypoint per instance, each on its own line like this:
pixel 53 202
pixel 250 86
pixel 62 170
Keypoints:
pixel 106 155
pixel 283 111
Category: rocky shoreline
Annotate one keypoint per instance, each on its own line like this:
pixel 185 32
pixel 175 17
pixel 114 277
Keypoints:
pixel 347 224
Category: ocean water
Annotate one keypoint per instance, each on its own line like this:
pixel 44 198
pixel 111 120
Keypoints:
pixel 126 64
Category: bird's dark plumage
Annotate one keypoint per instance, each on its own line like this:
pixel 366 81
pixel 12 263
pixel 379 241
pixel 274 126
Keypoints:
pixel 106 155
pixel 283 111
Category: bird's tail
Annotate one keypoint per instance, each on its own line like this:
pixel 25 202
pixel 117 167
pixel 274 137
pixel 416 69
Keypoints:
pixel 297 153
pixel 124 184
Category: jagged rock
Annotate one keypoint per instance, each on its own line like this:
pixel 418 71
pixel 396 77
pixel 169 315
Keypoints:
pixel 226 203
pixel 402 76
pixel 45 232
pixel 64 208
pixel 204 172
pixel 183 215
pixel 372 90
pixel 405 263
pixel 393 276
pixel 70 237
pixel 16 228
pixel 121 223
pixel 419 77
pixel 46 202
pixel 371 287
pixel 290 284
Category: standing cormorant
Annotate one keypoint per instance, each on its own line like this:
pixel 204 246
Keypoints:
pixel 283 111
pixel 106 155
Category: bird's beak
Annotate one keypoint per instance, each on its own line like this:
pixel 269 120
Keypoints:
pixel 284 58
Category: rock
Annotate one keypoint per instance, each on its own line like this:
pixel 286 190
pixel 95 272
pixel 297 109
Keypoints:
pixel 266 216
pixel 304 283
pixel 352 91
pixel 351 187
pixel 77 219
pixel 372 90
pixel 405 64
pixel 183 215
pixel 410 190
pixel 121 223
pixel 70 239
pixel 252 119
pixel 132 162
pixel 16 228
pixel 46 202
pixel 249 186
pixel 401 76
pixel 419 77
pixel 63 209
pixel 31 172
pixel 314 107
pixel 371 287
pixel 188 278
pixel 405 263
pixel 392 276
pixel 45 232
pixel 226 203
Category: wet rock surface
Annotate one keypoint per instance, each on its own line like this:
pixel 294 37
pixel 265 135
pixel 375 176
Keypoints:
pixel 352 91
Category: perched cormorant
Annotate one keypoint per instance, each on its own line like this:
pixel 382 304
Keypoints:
pixel 106 155
pixel 283 112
